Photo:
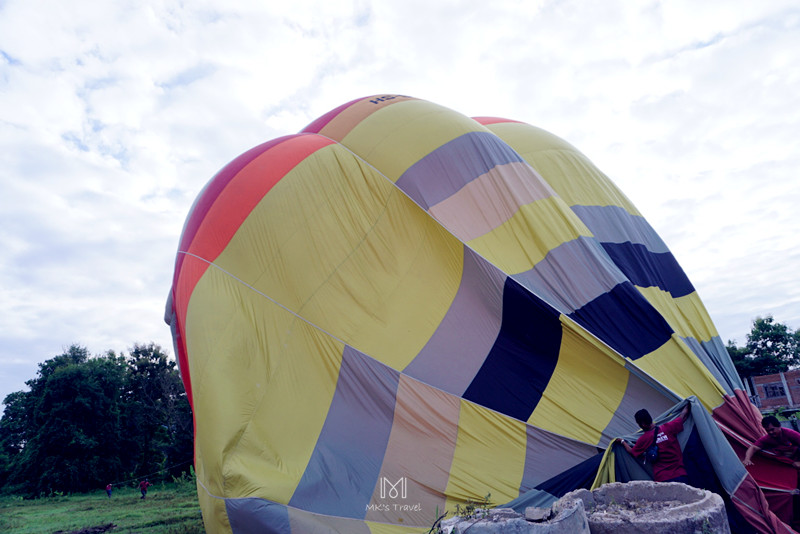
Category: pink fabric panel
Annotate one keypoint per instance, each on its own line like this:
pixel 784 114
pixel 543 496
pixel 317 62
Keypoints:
pixel 420 451
pixel 753 505
pixel 737 415
pixel 490 200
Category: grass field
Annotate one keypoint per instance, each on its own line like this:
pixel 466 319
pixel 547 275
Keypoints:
pixel 170 508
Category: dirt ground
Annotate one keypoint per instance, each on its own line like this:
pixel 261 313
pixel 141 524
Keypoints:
pixel 89 530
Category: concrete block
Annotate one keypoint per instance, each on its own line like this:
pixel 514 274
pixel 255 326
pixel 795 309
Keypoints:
pixel 650 507
pixel 538 515
pixel 570 519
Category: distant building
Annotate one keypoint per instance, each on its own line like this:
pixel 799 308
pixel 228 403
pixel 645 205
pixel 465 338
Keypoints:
pixel 780 390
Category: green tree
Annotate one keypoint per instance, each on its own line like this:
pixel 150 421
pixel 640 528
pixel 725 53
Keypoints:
pixel 87 421
pixel 72 430
pixel 158 416
pixel 743 364
pixel 13 434
pixel 771 347
pixel 18 423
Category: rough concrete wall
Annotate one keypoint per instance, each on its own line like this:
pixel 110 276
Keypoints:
pixel 652 508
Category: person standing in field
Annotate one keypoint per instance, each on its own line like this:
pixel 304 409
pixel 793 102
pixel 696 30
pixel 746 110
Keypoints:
pixel 143 485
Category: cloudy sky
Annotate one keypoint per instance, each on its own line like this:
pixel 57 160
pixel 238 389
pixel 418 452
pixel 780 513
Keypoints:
pixel 113 115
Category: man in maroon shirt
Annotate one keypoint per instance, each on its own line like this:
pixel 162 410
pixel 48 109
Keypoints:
pixel 143 485
pixel 669 465
pixel 784 442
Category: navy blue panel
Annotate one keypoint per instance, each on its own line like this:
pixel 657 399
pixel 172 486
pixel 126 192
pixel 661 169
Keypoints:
pixel 580 476
pixel 625 321
pixel 343 469
pixel 650 269
pixel 453 165
pixel 522 359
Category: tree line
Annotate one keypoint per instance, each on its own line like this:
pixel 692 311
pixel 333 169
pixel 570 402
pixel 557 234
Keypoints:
pixel 771 347
pixel 92 420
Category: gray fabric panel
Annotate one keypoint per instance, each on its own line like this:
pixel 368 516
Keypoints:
pixel 548 455
pixel 715 348
pixel 715 356
pixel 726 463
pixel 572 275
pixel 257 515
pixel 652 383
pixel 249 516
pixel 458 347
pixel 710 364
pixel 450 167
pixel 638 395
pixel 346 462
pixel 303 522
pixel 628 467
pixel 535 498
pixel 612 224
